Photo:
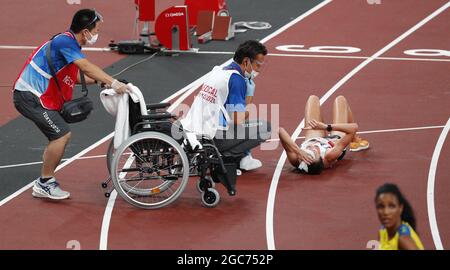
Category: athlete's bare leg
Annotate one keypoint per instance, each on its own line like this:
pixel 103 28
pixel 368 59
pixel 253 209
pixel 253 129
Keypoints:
pixel 312 112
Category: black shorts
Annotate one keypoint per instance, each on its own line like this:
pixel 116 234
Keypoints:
pixel 49 122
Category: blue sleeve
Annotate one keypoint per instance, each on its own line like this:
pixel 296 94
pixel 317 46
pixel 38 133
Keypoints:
pixel 68 49
pixel 404 230
pixel 237 92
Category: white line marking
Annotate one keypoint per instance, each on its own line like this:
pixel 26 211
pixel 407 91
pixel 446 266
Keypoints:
pixel 270 140
pixel 296 20
pixel 339 56
pixel 10 47
pixel 399 129
pixel 90 157
pixel 359 57
pixel 380 131
pixel 106 221
pixel 7 47
pixel 40 162
pixel 62 165
pixel 430 187
pixel 110 207
pixel 280 164
pixel 270 54
pixel 212 52
pixel 20 165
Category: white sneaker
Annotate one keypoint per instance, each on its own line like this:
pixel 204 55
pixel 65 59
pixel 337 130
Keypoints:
pixel 49 189
pixel 248 163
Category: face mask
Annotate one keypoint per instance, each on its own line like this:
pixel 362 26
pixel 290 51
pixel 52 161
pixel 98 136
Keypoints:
pixel 93 39
pixel 251 75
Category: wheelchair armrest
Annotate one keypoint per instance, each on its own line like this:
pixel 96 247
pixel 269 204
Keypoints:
pixel 155 106
pixel 158 116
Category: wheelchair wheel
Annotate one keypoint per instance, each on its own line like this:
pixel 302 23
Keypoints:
pixel 207 183
pixel 150 170
pixel 210 198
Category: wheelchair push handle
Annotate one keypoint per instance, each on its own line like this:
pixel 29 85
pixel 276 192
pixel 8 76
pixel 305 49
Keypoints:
pixel 158 116
pixel 155 106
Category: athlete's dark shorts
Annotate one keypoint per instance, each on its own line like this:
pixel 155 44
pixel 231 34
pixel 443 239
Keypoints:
pixel 49 122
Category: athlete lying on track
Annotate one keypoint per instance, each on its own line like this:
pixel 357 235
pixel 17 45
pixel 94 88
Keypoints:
pixel 324 144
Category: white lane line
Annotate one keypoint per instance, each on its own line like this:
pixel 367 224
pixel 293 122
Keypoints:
pixel 341 57
pixel 359 57
pixel 40 162
pixel 280 164
pixel 270 140
pixel 62 165
pixel 191 88
pixel 296 20
pixel 20 165
pixel 381 131
pixel 272 54
pixel 8 47
pixel 11 47
pixel 106 221
pixel 400 129
pixel 110 207
pixel 414 59
pixel 430 187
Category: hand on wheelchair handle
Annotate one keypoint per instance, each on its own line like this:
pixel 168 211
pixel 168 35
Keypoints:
pixel 119 87
pixel 124 81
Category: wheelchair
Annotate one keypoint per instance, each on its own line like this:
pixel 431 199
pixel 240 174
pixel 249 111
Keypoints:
pixel 151 169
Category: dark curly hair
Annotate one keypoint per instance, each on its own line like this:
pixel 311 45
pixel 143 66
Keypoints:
pixel 85 19
pixel 250 49
pixel 315 168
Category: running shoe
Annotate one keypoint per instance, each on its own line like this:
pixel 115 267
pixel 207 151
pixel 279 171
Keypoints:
pixel 359 144
pixel 49 189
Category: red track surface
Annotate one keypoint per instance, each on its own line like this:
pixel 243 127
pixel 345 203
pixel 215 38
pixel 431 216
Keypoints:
pixel 331 211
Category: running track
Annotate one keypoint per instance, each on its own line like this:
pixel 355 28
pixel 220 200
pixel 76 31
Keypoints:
pixel 331 211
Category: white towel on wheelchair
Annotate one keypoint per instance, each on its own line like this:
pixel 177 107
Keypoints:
pixel 117 105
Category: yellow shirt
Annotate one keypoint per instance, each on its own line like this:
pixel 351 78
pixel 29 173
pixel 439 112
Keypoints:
pixel 404 230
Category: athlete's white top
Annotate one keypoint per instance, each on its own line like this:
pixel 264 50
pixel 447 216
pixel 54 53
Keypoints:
pixel 322 143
